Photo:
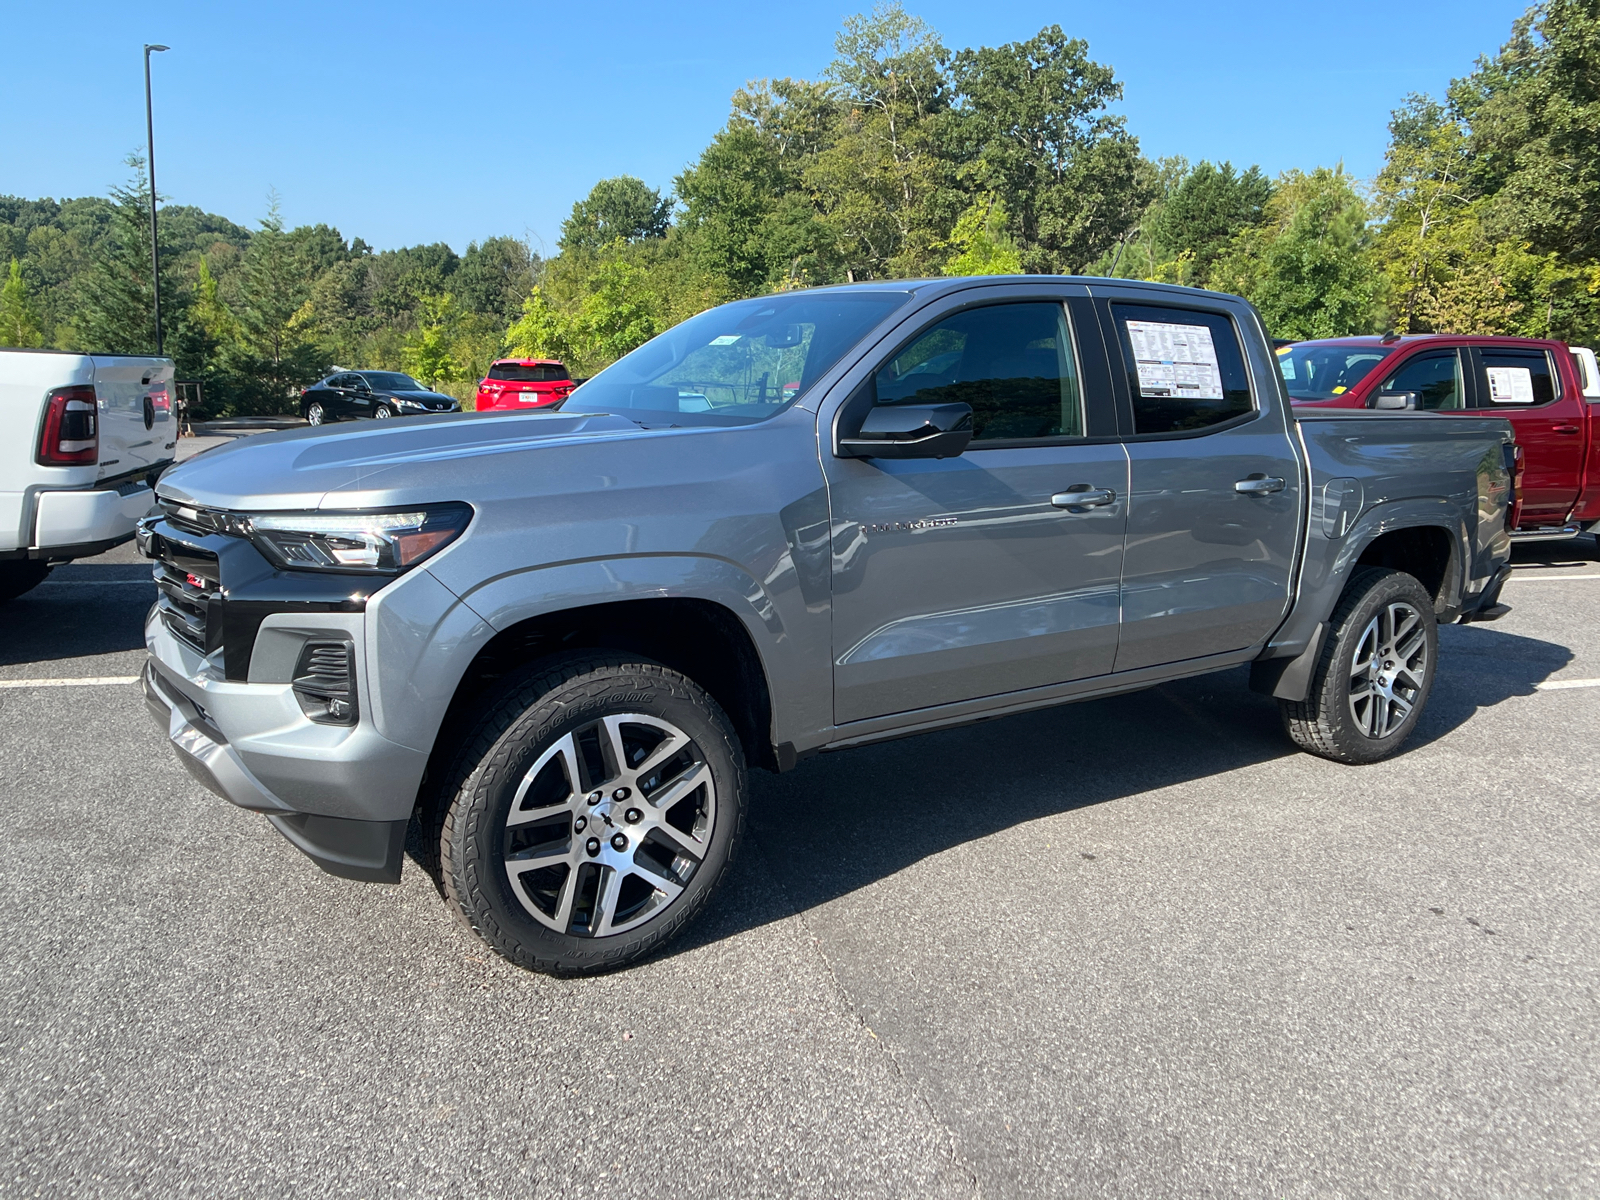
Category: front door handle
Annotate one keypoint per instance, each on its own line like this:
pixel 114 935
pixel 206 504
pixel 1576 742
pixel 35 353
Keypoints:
pixel 1081 496
pixel 1259 485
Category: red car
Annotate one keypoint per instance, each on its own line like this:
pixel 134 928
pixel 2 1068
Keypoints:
pixel 518 383
pixel 1534 382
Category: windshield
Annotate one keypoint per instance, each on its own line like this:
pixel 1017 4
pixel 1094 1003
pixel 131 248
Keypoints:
pixel 739 363
pixel 1323 371
pixel 392 381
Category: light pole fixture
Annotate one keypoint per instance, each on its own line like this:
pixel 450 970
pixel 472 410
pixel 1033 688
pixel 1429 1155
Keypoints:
pixel 150 135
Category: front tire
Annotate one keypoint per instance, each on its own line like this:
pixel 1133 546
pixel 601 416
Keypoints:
pixel 382 411
pixel 1375 673
pixel 20 576
pixel 598 805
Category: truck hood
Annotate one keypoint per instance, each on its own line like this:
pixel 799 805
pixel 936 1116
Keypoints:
pixel 297 469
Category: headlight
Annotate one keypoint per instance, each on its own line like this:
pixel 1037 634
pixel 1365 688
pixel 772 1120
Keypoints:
pixel 368 542
pixel 417 404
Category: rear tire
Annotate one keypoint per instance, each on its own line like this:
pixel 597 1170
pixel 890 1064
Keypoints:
pixel 594 810
pixel 315 414
pixel 21 576
pixel 1375 673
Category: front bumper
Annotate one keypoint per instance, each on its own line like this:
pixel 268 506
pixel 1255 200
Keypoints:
pixel 343 795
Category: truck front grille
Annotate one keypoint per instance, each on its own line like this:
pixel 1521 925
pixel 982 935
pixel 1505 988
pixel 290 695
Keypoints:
pixel 186 580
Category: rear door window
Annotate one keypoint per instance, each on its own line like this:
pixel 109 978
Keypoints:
pixel 1517 378
pixel 1013 363
pixel 1435 378
pixel 1185 368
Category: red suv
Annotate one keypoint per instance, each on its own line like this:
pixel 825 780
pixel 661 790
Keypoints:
pixel 1532 381
pixel 517 383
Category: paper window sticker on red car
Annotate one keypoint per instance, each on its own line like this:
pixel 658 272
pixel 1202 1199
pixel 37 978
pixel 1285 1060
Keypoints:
pixel 1510 385
pixel 1175 360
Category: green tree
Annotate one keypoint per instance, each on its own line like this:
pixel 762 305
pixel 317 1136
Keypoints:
pixel 882 180
pixel 19 324
pixel 1308 268
pixel 1204 212
pixel 212 315
pixel 495 276
pixel 622 207
pixel 114 312
pixel 1424 195
pixel 749 221
pixel 276 355
pixel 1534 115
pixel 1067 169
pixel 983 242
pixel 428 353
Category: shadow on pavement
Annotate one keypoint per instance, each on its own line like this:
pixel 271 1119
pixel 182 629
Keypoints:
pixel 843 821
pixel 1581 551
pixel 82 609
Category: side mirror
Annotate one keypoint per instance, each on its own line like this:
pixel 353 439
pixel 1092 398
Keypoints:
pixel 910 431
pixel 1406 401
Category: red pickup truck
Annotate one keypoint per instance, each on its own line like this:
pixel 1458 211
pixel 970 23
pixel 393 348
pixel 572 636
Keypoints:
pixel 1534 382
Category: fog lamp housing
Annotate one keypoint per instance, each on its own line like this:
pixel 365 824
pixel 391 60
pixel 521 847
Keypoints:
pixel 325 682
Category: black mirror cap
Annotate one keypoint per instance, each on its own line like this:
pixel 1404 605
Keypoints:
pixel 910 431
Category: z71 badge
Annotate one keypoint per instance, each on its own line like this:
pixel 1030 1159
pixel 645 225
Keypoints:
pixel 907 526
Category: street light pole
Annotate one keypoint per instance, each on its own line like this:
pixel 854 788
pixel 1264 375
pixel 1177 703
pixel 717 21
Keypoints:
pixel 150 135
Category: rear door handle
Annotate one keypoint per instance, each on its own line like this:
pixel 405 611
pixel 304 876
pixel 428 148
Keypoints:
pixel 1259 485
pixel 1565 428
pixel 1081 496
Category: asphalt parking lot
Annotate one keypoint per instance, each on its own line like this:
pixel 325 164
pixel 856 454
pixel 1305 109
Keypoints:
pixel 1135 947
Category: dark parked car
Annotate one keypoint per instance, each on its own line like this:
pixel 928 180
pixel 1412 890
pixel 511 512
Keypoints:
pixel 370 394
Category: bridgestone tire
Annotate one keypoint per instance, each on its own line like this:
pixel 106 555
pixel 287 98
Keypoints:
pixel 566 698
pixel 1326 723
pixel 21 576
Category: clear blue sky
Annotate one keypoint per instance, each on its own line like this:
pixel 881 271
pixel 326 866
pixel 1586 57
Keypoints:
pixel 406 122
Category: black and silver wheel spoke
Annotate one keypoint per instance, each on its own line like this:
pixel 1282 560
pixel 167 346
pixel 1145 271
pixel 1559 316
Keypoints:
pixel 609 824
pixel 1388 669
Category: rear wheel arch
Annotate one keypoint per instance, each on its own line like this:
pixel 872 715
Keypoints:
pixel 1430 553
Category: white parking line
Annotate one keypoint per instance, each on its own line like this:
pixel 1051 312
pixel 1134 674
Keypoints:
pixel 79 681
pixel 1556 685
pixel 1519 577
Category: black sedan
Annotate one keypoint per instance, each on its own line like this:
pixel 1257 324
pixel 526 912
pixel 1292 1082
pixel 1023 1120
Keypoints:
pixel 370 394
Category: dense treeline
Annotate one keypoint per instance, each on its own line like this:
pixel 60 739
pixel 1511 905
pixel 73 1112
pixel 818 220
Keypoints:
pixel 903 159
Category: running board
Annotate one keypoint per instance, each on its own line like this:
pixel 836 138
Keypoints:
pixel 1546 533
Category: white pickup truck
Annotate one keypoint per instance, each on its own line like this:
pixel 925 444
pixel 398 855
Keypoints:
pixel 82 440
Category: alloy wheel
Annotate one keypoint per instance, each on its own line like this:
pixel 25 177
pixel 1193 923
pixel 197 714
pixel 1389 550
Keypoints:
pixel 314 415
pixel 383 411
pixel 1388 669
pixel 609 825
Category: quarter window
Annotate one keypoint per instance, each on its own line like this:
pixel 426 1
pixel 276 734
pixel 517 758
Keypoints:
pixel 1518 377
pixel 1185 368
pixel 1435 378
pixel 1013 363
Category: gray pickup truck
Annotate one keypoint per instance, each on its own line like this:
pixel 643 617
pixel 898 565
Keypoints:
pixel 553 644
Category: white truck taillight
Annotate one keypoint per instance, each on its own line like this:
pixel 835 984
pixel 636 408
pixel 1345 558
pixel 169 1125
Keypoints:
pixel 70 436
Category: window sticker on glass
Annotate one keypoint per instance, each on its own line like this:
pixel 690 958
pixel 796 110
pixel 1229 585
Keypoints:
pixel 1286 364
pixel 1511 385
pixel 1175 360
pixel 726 339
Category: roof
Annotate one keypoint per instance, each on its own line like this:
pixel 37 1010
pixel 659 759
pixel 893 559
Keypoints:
pixel 1417 339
